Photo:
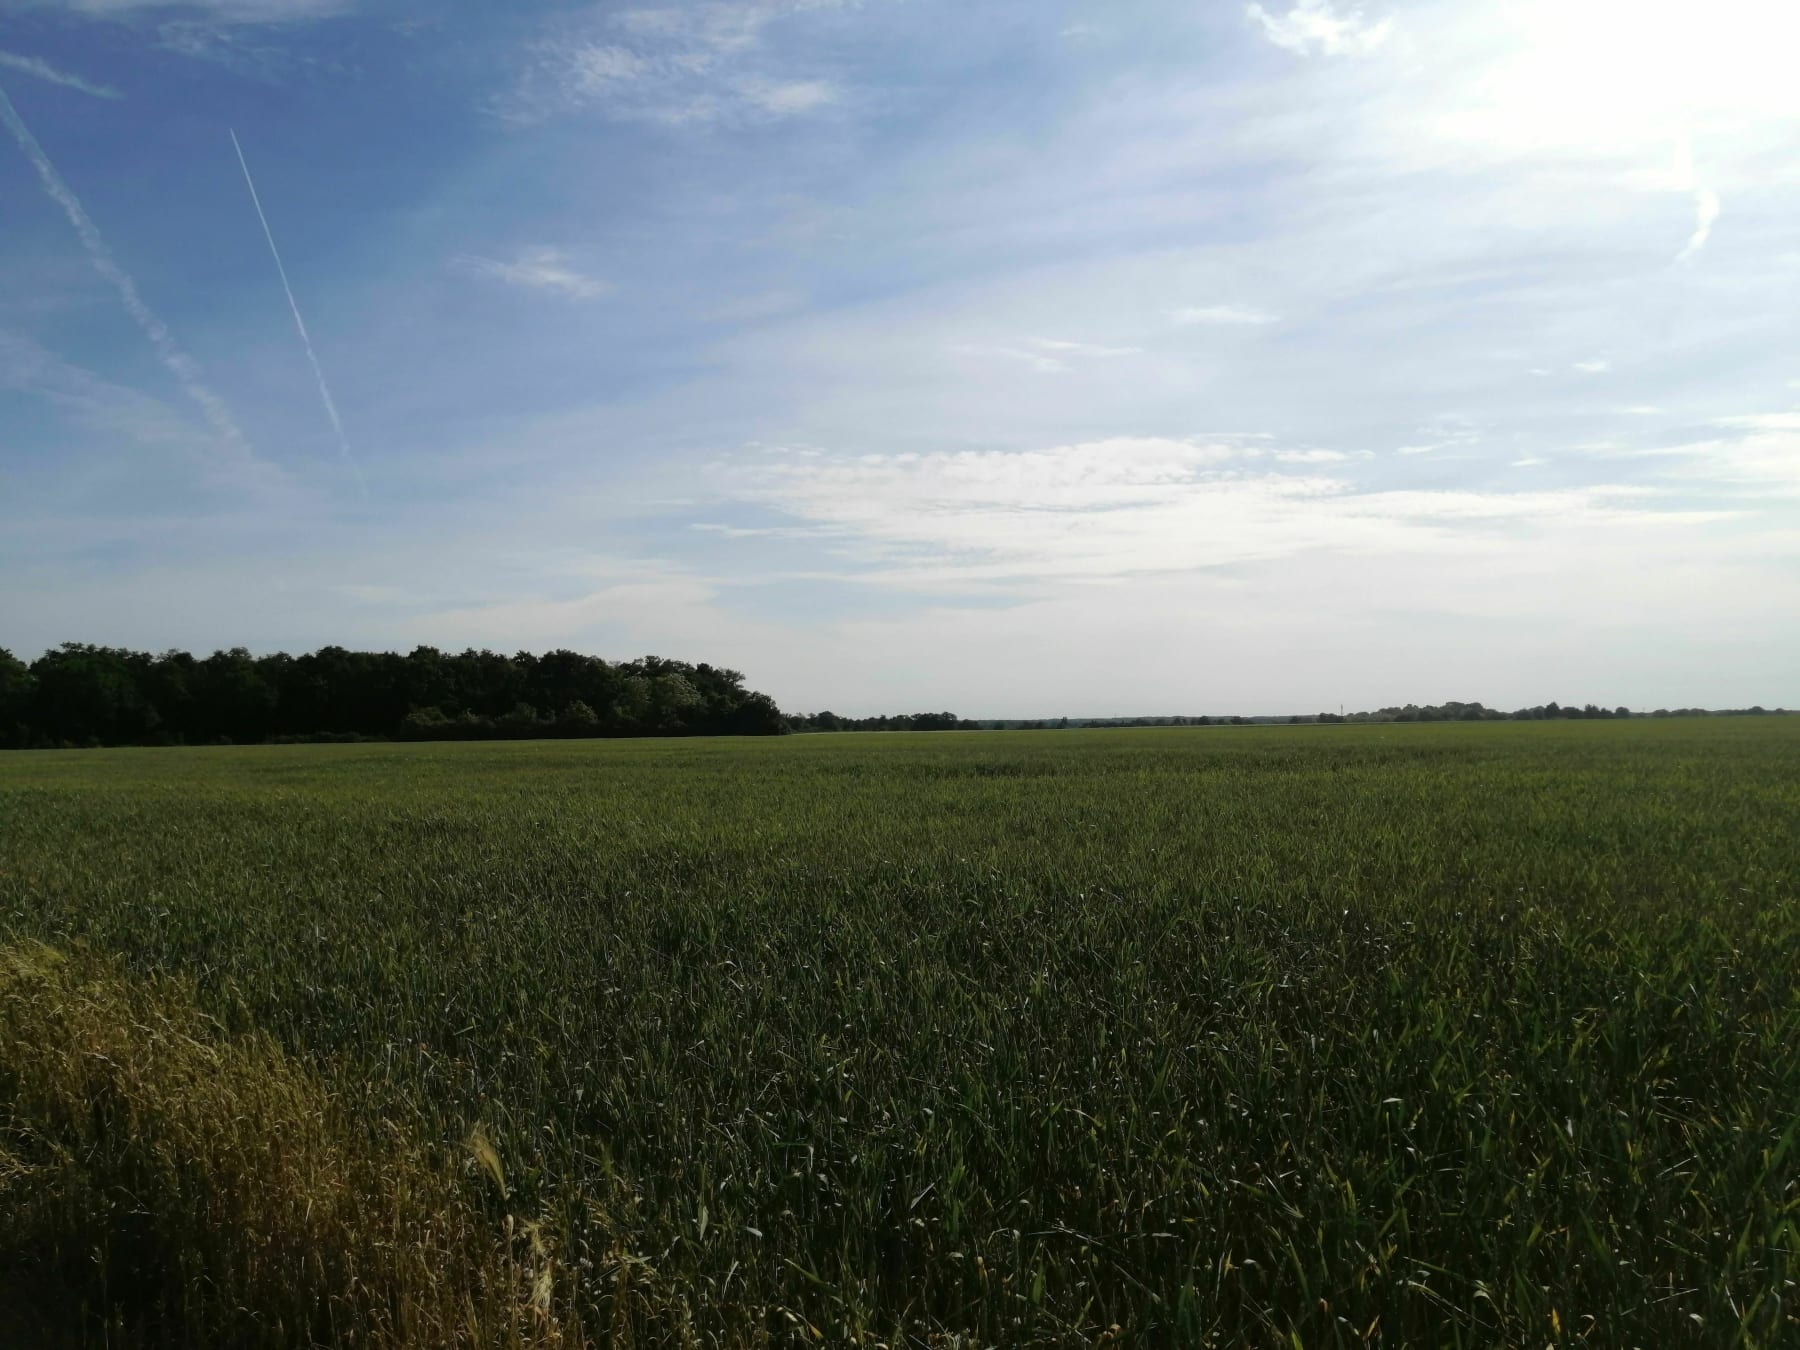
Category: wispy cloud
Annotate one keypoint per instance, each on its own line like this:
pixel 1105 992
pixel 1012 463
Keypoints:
pixel 1318 26
pixel 224 11
pixel 1128 506
pixel 540 269
pixel 1787 421
pixel 1040 361
pixel 43 70
pixel 1045 355
pixel 1226 314
pixel 1597 366
pixel 112 410
pixel 174 359
pixel 675 64
pixel 1450 431
pixel 784 98
pixel 1706 214
pixel 1062 347
pixel 1759 452
pixel 1311 456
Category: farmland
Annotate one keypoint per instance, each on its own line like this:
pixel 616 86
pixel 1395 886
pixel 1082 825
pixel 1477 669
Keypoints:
pixel 1316 1036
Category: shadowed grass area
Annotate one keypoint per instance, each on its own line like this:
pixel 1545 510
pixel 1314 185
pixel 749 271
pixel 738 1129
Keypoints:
pixel 1332 1036
pixel 164 1184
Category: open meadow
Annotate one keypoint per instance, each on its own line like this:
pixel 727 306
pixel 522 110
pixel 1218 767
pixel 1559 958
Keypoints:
pixel 1399 1035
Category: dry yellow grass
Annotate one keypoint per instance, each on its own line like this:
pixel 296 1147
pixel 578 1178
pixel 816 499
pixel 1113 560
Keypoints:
pixel 177 1185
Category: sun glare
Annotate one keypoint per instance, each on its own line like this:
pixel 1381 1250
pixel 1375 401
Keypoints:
pixel 1607 75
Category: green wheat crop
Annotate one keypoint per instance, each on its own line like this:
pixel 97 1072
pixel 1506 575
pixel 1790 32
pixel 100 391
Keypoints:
pixel 1436 1035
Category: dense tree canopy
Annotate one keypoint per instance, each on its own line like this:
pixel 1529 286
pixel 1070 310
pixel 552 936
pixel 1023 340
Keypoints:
pixel 78 694
pixel 929 721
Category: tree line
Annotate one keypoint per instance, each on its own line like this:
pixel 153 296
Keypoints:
pixel 1541 712
pixel 929 721
pixel 1411 712
pixel 82 695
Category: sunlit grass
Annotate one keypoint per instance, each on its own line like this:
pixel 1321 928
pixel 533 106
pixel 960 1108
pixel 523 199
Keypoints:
pixel 1424 1035
pixel 170 1183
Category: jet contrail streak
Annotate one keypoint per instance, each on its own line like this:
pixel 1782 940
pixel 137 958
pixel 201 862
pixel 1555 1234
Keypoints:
pixel 178 363
pixel 294 305
pixel 36 65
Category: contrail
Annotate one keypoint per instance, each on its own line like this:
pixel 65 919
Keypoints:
pixel 178 363
pixel 36 65
pixel 293 304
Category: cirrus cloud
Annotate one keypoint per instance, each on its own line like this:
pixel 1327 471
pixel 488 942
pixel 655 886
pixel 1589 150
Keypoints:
pixel 1139 505
pixel 1318 26
pixel 540 269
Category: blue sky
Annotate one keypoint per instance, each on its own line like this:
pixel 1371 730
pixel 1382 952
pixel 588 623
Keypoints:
pixel 1019 358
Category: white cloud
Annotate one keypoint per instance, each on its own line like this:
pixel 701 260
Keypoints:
pixel 1751 455
pixel 1765 422
pixel 1038 361
pixel 1318 26
pixel 223 11
pixel 43 70
pixel 1127 506
pixel 541 269
pixel 1227 314
pixel 96 404
pixel 1594 367
pixel 661 610
pixel 678 65
pixel 717 26
pixel 596 69
pixel 1044 355
pixel 1758 453
pixel 1706 214
pixel 1311 456
pixel 1429 448
pixel 1083 348
pixel 786 98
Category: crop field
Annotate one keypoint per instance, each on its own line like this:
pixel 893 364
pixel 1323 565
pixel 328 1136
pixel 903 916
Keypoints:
pixel 1325 1036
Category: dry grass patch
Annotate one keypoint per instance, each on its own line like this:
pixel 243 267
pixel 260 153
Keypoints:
pixel 179 1186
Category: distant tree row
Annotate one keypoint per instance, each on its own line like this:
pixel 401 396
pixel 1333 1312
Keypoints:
pixel 79 695
pixel 1475 712
pixel 1411 712
pixel 1472 712
pixel 830 721
pixel 1064 723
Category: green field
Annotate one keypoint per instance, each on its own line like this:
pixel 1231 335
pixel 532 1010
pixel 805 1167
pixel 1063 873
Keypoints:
pixel 1430 1035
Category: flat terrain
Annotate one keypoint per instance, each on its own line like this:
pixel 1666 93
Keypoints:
pixel 1429 1035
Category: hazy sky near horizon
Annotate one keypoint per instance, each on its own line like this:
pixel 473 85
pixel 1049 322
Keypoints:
pixel 1020 358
